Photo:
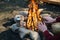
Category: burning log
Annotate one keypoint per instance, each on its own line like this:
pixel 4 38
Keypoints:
pixel 33 15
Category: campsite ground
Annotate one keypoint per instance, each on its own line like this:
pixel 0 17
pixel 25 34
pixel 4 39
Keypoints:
pixel 11 11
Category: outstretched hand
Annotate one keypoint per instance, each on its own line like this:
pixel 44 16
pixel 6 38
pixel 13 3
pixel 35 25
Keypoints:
pixel 42 26
pixel 49 19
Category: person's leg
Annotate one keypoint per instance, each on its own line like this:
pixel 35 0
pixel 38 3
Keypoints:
pixel 23 32
pixel 35 35
pixel 27 37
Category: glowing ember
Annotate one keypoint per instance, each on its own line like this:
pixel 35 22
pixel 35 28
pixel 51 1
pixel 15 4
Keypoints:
pixel 33 15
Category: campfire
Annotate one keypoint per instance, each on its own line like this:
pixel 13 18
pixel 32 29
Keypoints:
pixel 33 15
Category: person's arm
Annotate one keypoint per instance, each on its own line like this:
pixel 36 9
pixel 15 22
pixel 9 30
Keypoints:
pixel 43 28
pixel 47 35
pixel 58 19
pixel 52 20
pixel 14 28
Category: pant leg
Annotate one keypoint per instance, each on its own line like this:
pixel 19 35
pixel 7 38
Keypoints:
pixel 23 32
pixel 35 35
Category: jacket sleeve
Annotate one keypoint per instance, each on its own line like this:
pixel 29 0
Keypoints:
pixel 47 35
pixel 58 19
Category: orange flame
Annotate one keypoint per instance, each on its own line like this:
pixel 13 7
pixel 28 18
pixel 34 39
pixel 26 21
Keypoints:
pixel 33 15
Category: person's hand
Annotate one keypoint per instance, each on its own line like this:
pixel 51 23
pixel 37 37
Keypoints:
pixel 25 18
pixel 48 19
pixel 22 23
pixel 42 27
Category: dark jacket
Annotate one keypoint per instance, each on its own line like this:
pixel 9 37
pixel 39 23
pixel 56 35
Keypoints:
pixel 49 36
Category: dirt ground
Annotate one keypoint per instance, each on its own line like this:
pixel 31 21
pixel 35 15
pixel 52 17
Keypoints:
pixel 7 34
